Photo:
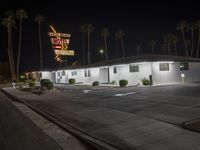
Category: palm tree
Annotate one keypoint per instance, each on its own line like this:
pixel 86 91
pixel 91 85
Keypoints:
pixel 89 28
pixel 117 47
pixel 164 48
pixel 138 49
pixel 152 44
pixel 82 30
pixel 198 43
pixel 20 14
pixel 120 34
pixel 192 27
pixel 175 39
pixel 39 19
pixel 9 23
pixel 105 33
pixel 182 26
pixel 168 39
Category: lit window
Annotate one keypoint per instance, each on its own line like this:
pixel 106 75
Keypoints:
pixel 164 66
pixel 74 73
pixel 87 73
pixel 63 73
pixel 133 68
pixel 115 70
pixel 184 66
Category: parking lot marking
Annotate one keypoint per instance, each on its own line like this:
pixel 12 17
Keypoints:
pixel 130 93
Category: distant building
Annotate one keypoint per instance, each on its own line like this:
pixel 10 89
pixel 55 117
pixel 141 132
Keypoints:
pixel 163 70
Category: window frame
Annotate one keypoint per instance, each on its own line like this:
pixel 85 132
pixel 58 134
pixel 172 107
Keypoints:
pixel 115 70
pixel 162 68
pixel 132 68
pixel 184 68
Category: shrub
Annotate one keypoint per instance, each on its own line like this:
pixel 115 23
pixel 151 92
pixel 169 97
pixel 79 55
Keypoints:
pixel 44 82
pixel 49 85
pixel 95 83
pixel 113 82
pixel 123 83
pixel 32 84
pixel 145 81
pixel 72 81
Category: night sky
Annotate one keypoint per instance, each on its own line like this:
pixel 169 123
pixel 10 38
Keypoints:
pixel 141 23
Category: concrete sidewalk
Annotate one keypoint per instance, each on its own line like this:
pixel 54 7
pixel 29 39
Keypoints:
pixel 99 117
pixel 17 132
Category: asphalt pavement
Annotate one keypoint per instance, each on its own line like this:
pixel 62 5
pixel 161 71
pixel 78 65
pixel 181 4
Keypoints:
pixel 17 132
pixel 144 118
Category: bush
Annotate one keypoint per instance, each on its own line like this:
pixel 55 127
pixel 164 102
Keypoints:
pixel 49 85
pixel 113 82
pixel 123 83
pixel 44 82
pixel 95 83
pixel 72 81
pixel 145 81
pixel 32 84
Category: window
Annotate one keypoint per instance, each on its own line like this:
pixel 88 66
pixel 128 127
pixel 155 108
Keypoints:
pixel 184 66
pixel 74 73
pixel 58 73
pixel 164 66
pixel 133 68
pixel 87 73
pixel 63 73
pixel 115 70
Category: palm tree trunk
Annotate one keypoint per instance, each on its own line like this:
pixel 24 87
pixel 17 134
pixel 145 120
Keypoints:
pixel 40 44
pixel 12 58
pixel 186 50
pixel 83 48
pixel 117 47
pixel 19 48
pixel 152 49
pixel 88 47
pixel 175 48
pixel 106 47
pixel 192 32
pixel 198 44
pixel 168 48
pixel 9 55
pixel 122 43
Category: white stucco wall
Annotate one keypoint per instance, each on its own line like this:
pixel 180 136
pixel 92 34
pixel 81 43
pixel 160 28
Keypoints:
pixel 48 75
pixel 174 73
pixel 193 75
pixel 133 78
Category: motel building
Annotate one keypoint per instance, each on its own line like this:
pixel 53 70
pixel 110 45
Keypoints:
pixel 161 68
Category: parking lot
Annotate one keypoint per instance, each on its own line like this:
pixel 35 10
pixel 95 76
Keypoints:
pixel 125 118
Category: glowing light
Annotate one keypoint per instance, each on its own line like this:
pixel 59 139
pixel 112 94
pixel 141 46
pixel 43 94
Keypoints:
pixel 101 51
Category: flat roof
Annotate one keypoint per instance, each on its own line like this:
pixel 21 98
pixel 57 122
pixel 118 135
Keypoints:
pixel 135 59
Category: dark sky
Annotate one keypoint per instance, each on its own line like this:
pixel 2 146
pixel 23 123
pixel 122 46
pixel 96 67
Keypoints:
pixel 141 22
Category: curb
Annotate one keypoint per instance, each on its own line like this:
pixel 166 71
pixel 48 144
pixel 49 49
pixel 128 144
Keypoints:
pixel 93 141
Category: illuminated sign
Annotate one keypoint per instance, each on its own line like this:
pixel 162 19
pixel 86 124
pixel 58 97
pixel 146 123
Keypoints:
pixel 64 52
pixel 60 43
pixel 52 34
pixel 56 41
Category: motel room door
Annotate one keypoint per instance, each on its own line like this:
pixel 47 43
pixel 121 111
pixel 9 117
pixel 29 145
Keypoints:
pixel 104 75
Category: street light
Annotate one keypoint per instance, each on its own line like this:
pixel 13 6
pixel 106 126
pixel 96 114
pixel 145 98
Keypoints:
pixel 101 51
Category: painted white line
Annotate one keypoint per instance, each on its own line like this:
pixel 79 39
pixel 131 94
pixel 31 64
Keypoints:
pixel 86 91
pixel 125 94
